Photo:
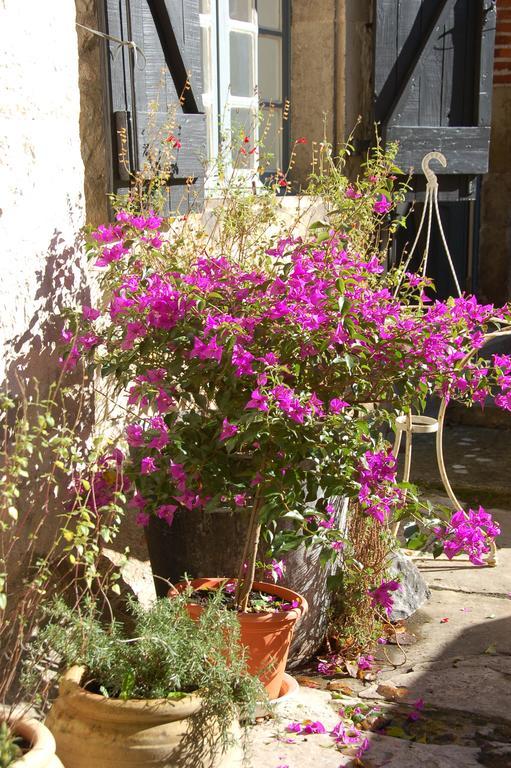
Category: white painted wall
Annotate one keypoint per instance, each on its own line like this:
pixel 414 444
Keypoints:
pixel 41 178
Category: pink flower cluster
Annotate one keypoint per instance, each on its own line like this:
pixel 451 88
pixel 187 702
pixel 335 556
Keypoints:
pixel 378 494
pixel 273 362
pixel 344 735
pixel 380 596
pixel 101 488
pixel 468 533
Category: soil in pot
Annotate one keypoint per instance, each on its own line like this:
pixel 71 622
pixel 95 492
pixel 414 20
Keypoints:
pixel 265 633
pixel 92 731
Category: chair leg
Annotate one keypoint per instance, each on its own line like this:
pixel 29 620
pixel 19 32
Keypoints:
pixel 408 459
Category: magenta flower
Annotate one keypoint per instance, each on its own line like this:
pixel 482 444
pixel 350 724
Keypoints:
pixel 89 313
pixel 135 435
pixel 337 405
pixel 161 439
pixel 315 726
pixel 470 533
pixel 240 499
pixel 142 519
pixel 352 194
pixel 365 662
pixel 207 351
pixel 148 465
pixel 257 401
pixel 138 501
pixel 380 596
pixel 228 430
pixel 277 570
pixel 382 205
pixel 166 512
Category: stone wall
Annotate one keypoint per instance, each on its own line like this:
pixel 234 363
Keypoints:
pixel 330 73
pixel 495 248
pixel 41 181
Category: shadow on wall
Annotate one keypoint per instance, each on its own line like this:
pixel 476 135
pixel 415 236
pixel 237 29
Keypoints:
pixel 34 355
pixel 32 367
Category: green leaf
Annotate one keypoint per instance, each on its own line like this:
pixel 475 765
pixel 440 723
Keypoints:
pixel 417 540
pixel 128 685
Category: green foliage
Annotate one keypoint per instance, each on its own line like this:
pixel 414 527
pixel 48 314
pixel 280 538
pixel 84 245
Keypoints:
pixel 53 522
pixel 9 748
pixel 165 654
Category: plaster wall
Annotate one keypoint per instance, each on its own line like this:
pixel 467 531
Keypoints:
pixel 41 181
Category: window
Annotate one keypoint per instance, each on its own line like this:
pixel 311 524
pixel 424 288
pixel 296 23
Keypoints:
pixel 245 63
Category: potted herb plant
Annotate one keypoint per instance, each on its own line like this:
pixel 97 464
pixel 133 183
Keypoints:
pixel 169 692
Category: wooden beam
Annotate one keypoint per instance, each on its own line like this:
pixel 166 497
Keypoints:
pixel 173 55
pixel 466 148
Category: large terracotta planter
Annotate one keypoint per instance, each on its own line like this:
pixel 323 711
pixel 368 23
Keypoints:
pixel 42 745
pixel 92 731
pixel 267 636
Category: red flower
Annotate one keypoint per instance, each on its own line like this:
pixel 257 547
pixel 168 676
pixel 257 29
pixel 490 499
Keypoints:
pixel 301 140
pixel 174 141
pixel 246 140
pixel 243 151
pixel 282 183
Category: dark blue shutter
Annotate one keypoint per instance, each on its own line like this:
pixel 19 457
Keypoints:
pixel 168 34
pixel 433 80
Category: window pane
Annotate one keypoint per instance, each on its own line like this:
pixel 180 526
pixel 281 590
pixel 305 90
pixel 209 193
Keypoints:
pixel 241 9
pixel 269 86
pixel 205 6
pixel 242 125
pixel 269 13
pixel 242 70
pixel 271 139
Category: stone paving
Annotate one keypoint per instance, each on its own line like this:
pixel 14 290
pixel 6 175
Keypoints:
pixel 460 666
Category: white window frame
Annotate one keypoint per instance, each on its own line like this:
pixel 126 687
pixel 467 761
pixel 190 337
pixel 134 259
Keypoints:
pixel 219 101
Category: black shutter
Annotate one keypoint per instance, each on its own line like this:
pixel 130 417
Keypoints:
pixel 167 33
pixel 433 79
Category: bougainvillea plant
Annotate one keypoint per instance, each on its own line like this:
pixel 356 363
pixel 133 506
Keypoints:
pixel 267 386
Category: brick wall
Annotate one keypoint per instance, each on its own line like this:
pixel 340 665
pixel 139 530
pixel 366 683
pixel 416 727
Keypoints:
pixel 502 68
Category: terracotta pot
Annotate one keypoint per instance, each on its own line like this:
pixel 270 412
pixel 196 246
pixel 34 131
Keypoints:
pixel 200 543
pixel 267 636
pixel 42 750
pixel 94 732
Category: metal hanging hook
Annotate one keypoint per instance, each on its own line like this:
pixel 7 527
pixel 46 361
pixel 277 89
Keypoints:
pixel 430 175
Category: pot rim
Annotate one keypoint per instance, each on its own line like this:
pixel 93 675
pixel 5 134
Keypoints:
pixel 97 705
pixel 40 738
pixel 281 617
